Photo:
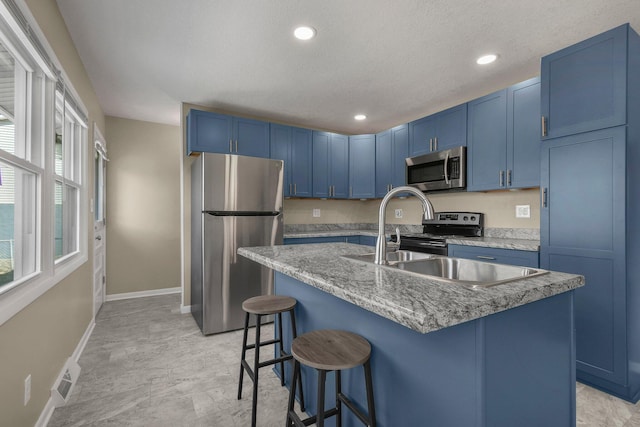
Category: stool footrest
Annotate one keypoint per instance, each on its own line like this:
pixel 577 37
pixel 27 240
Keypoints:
pixel 344 399
pixel 252 346
pixel 311 420
pixel 274 361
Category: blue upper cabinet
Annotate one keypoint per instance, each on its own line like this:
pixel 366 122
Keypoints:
pixel 503 138
pixel 250 137
pixel 293 145
pixel 392 148
pixel 487 142
pixel 362 171
pixel 523 134
pixel 584 87
pixel 219 133
pixel 302 162
pixel 439 131
pixel 208 132
pixel 330 165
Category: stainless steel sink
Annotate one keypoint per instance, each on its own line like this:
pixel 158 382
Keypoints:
pixel 464 272
pixel 392 257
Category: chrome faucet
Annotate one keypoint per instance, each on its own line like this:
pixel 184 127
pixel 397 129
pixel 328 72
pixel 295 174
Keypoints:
pixel 381 243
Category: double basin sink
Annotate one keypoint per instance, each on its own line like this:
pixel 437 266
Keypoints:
pixel 463 272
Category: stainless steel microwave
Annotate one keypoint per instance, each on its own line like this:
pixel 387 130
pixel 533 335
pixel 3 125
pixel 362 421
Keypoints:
pixel 441 170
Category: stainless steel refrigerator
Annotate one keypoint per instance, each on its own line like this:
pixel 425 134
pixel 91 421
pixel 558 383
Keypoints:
pixel 236 201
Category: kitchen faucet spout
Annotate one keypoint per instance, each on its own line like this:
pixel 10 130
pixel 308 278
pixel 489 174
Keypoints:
pixel 381 243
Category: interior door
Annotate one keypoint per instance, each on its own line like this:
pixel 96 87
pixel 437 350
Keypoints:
pixel 99 225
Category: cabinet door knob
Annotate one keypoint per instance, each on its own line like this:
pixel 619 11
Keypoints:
pixel 544 198
pixel 435 144
pixel 230 146
pixel 544 125
pixel 430 144
pixel 295 189
pixel 501 178
pixel 508 177
pixel 236 145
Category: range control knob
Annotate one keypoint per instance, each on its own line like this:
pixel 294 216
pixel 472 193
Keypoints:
pixel 466 218
pixel 473 218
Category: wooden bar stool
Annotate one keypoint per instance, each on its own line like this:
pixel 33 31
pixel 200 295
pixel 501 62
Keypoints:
pixel 262 306
pixel 331 350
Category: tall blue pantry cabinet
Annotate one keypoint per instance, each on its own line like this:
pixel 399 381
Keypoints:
pixel 590 189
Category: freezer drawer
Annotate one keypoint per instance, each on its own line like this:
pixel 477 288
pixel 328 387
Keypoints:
pixel 228 279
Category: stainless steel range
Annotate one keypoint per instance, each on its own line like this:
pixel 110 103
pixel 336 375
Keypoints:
pixel 435 232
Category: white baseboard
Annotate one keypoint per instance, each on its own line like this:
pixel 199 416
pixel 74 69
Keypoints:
pixel 142 294
pixel 49 407
pixel 185 309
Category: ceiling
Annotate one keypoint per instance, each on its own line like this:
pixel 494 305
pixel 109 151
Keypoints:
pixel 393 60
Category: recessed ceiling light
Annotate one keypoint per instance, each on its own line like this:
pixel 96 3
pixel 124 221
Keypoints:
pixel 486 59
pixel 360 117
pixel 304 33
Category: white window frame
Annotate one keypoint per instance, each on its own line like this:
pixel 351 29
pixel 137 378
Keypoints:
pixel 39 157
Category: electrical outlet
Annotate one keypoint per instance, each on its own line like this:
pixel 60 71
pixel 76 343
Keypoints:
pixel 316 213
pixel 27 389
pixel 523 211
pixel 398 213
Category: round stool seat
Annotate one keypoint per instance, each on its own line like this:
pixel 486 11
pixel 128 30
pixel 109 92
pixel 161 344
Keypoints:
pixel 268 304
pixel 331 350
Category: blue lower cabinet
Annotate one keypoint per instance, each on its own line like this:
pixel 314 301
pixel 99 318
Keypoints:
pixel 513 368
pixel 496 255
pixel 368 240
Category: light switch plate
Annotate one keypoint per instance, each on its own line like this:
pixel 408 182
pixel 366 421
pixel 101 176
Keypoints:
pixel 523 211
pixel 316 213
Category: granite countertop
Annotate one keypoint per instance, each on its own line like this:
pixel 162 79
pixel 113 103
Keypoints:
pixel 419 303
pixel 487 242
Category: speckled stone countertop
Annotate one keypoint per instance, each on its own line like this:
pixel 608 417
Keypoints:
pixel 419 303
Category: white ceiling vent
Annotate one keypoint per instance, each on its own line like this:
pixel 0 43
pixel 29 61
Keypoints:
pixel 63 387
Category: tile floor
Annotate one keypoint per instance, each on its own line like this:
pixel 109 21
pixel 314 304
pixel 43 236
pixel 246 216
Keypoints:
pixel 148 365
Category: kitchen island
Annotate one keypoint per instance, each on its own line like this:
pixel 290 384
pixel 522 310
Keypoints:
pixel 442 354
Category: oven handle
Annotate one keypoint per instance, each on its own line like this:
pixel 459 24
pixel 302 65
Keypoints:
pixel 446 167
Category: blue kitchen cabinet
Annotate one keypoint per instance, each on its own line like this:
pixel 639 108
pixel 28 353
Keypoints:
pixel 362 171
pixel 496 255
pixel 590 183
pixel 208 132
pixel 368 240
pixel 330 165
pixel 523 136
pixel 439 131
pixel 583 217
pixel 358 240
pixel 503 148
pixel 293 145
pixel 487 142
pixel 392 148
pixel 219 133
pixel 584 87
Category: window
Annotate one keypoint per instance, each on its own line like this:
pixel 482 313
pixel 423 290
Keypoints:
pixel 68 144
pixel 43 138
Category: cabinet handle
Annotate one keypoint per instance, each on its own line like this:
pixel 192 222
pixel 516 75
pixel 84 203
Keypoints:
pixel 485 257
pixel 544 125
pixel 230 146
pixel 544 198
pixel 350 191
pixel 430 144
pixel 236 145
pixel 508 177
pixel 290 189
pixel 501 178
pixel 295 189
pixel 435 144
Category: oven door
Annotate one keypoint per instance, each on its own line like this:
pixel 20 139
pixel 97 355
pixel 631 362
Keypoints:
pixel 424 245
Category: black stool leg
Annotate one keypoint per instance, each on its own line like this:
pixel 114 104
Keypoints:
pixel 322 376
pixel 292 393
pixel 338 401
pixel 256 364
pixel 244 352
pixel 369 385
pixel 294 335
pixel 281 348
